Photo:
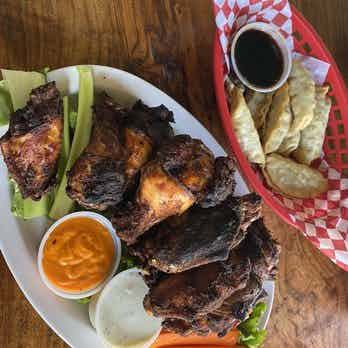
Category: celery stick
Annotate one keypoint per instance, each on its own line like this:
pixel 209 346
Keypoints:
pixel 64 154
pixel 62 203
pixel 84 114
pixel 20 84
pixel 72 119
pixel 5 103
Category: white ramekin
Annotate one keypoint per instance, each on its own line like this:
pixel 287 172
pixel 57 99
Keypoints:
pixel 285 50
pixel 117 244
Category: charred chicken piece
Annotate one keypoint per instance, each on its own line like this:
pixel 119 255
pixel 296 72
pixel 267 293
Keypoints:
pixel 198 291
pixel 97 179
pixel 179 326
pixel 197 237
pixel 222 184
pixel 189 161
pixel 145 128
pixel 152 121
pixel 262 250
pixel 234 310
pixel 188 307
pixel 31 146
pixel 121 143
pixel 169 185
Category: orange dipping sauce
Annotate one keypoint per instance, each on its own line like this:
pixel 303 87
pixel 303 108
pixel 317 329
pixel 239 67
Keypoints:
pixel 78 255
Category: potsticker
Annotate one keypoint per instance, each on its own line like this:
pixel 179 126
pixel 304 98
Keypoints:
pixel 244 128
pixel 302 97
pixel 312 137
pixel 259 105
pixel 293 179
pixel 278 121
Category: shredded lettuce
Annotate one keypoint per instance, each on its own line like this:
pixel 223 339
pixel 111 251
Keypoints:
pixel 127 261
pixel 62 204
pixel 5 103
pixel 84 300
pixel 19 84
pixel 250 334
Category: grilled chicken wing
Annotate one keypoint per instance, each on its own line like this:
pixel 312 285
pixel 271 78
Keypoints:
pixel 169 185
pixel 97 178
pixel 197 237
pixel 31 146
pixel 198 291
pixel 121 143
pixel 234 310
pixel 221 185
pixel 217 296
pixel 263 251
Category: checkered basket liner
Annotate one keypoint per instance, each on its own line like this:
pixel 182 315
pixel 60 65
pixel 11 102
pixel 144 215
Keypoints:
pixel 323 220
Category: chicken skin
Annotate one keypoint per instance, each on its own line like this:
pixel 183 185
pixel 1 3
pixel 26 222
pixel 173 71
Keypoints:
pixel 31 146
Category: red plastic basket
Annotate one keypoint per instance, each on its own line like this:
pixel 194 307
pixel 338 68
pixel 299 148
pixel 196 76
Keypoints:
pixel 307 42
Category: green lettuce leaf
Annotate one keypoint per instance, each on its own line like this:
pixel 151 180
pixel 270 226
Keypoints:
pixel 250 334
pixel 19 85
pixel 5 103
pixel 27 208
pixel 84 300
pixel 62 204
pixel 45 71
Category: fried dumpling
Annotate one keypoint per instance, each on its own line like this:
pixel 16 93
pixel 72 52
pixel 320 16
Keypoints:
pixel 259 105
pixel 293 179
pixel 302 97
pixel 244 128
pixel 312 137
pixel 289 144
pixel 278 121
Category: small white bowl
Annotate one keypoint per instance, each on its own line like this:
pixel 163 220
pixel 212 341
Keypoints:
pixel 279 39
pixel 118 250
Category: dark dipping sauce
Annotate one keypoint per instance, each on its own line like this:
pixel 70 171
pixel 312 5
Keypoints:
pixel 259 58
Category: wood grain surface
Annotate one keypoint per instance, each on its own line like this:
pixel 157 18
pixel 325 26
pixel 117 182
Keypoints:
pixel 169 43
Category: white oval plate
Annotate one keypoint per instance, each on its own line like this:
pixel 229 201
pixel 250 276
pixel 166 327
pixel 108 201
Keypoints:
pixel 19 240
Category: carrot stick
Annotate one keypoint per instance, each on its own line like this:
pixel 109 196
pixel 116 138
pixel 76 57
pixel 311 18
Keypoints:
pixel 167 339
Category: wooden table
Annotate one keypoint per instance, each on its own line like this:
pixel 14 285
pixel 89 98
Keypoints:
pixel 169 43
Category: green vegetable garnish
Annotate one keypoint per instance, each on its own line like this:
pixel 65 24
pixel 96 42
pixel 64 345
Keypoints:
pixel 27 208
pixel 84 300
pixel 72 119
pixel 19 84
pixel 250 334
pixel 127 262
pixel 64 154
pixel 45 71
pixel 5 103
pixel 62 203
